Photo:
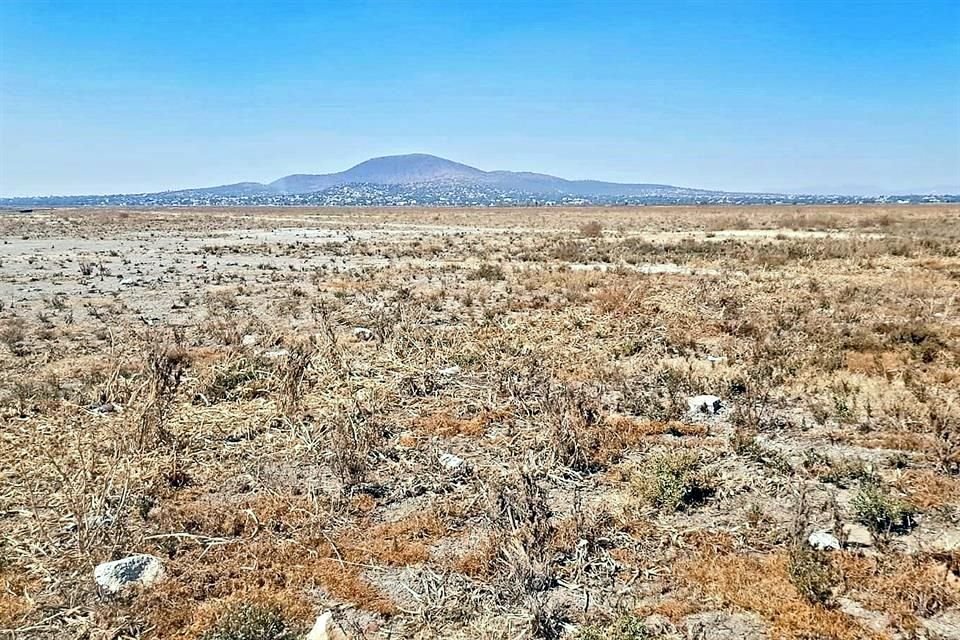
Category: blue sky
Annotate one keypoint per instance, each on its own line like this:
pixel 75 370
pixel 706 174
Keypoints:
pixel 129 96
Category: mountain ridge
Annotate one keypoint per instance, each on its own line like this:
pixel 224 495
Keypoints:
pixel 426 180
pixel 423 168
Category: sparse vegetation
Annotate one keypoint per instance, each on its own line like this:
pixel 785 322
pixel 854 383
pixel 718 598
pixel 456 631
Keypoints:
pixel 469 424
pixel 251 622
pixel 674 481
pixel 881 511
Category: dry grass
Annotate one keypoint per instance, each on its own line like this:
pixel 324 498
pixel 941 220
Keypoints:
pixel 761 584
pixel 451 423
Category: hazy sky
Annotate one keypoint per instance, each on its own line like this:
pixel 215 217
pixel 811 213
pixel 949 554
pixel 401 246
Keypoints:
pixel 140 95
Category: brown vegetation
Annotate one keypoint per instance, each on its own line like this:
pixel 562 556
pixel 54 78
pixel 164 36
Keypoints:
pixel 474 423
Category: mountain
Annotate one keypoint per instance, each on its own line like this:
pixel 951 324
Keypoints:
pixel 414 168
pixel 421 168
pixel 421 179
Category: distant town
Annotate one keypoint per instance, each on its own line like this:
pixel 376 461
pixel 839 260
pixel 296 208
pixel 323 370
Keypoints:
pixel 452 194
pixel 429 181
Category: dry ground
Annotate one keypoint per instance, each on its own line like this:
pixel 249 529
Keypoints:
pixel 193 384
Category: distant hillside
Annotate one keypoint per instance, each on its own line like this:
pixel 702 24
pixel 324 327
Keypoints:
pixel 409 169
pixel 421 179
pixel 420 168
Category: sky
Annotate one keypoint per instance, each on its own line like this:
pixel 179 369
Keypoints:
pixel 133 95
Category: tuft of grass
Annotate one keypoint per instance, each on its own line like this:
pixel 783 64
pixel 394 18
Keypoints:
pixel 812 574
pixel 674 481
pixel 13 333
pixel 626 627
pixel 250 622
pixel 487 271
pixel 592 229
pixel 236 377
pixel 745 444
pixel 842 473
pixel 881 512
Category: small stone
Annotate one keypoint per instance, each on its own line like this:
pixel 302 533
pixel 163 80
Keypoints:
pixel 362 333
pixel 276 353
pixel 250 340
pixel 106 407
pixel 451 461
pixel 715 359
pixel 947 542
pixel 857 535
pixel 142 570
pixel 326 629
pixel 321 630
pixel 876 621
pixel 449 371
pixel 824 541
pixel 943 626
pixel 704 404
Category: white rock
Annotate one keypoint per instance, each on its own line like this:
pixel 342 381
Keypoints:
pixel 947 542
pixel 362 333
pixel 142 570
pixel 715 359
pixel 451 461
pixel 823 540
pixel 876 621
pixel 250 340
pixel 704 404
pixel 106 407
pixel 321 630
pixel 944 626
pixel 276 353
pixel 857 535
pixel 449 371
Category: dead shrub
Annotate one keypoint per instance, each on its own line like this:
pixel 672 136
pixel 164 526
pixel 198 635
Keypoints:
pixel 166 364
pixel 592 229
pixel 521 517
pixel 13 333
pixel 292 377
pixel 354 439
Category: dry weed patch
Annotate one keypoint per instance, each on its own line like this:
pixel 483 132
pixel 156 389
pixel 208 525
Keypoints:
pixel 447 422
pixel 762 584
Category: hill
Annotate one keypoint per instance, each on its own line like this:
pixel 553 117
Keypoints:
pixel 423 179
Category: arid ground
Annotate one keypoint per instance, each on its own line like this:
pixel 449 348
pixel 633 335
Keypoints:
pixel 479 423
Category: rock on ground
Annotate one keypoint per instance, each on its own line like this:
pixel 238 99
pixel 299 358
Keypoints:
pixel 704 404
pixel 719 625
pixel 823 540
pixel 857 535
pixel 326 629
pixel 362 333
pixel 451 461
pixel 142 570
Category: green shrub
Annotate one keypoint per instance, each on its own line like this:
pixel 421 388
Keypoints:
pixel 812 574
pixel 626 627
pixel 881 512
pixel 673 481
pixel 251 622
